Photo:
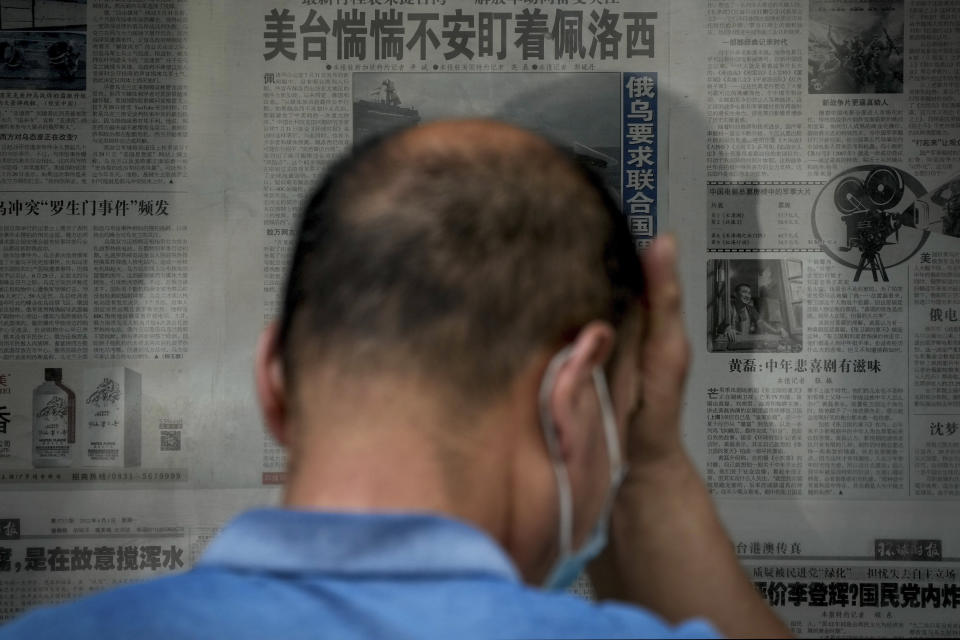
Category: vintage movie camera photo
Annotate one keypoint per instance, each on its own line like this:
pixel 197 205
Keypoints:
pixel 873 217
pixel 940 209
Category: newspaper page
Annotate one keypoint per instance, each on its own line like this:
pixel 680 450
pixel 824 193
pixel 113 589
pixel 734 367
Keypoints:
pixel 113 246
pixel 822 282
pixel 805 150
pixel 114 406
pixel 59 550
pixel 329 75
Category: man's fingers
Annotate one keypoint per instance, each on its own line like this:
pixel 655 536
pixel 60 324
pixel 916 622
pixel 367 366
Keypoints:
pixel 664 356
pixel 666 348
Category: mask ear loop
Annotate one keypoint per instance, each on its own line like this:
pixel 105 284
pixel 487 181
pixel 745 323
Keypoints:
pixel 618 468
pixel 553 448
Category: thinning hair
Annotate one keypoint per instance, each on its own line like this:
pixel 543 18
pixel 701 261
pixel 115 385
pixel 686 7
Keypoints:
pixel 453 253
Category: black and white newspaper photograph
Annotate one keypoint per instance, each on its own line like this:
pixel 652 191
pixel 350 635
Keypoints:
pixel 43 45
pixel 856 47
pixel 755 305
pixel 580 111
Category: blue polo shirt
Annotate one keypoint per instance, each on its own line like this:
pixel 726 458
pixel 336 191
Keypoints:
pixel 275 573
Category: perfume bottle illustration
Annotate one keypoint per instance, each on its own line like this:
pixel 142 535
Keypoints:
pixel 54 421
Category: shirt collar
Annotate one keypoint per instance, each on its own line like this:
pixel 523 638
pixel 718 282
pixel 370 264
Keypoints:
pixel 283 540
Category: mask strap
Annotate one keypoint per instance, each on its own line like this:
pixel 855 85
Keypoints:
pixel 617 467
pixel 553 447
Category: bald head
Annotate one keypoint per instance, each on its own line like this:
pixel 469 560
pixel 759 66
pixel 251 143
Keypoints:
pixel 453 251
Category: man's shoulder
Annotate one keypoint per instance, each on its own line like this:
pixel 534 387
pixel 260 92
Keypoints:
pixel 280 574
pixel 151 609
pixel 537 613
pixel 211 602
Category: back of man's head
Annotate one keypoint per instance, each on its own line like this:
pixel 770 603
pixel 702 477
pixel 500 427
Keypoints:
pixel 453 251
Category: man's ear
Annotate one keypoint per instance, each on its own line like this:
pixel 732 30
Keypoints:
pixel 573 398
pixel 270 383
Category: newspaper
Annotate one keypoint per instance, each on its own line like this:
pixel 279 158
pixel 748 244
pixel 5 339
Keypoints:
pixel 824 400
pixel 54 550
pixel 807 152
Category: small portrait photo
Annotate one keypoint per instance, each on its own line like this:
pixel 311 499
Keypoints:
pixel 755 305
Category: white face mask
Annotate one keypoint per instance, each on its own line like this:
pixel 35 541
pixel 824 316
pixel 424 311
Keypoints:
pixel 570 563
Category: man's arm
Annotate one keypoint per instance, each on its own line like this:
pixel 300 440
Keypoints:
pixel 668 549
pixel 766 327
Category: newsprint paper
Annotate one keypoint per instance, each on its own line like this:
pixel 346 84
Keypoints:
pixel 153 156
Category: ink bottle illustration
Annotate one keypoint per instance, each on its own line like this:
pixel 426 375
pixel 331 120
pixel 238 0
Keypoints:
pixel 54 421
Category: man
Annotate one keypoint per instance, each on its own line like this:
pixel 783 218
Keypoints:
pixel 747 319
pixel 464 360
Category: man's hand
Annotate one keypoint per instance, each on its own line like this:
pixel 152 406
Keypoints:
pixel 731 334
pixel 664 361
pixel 668 550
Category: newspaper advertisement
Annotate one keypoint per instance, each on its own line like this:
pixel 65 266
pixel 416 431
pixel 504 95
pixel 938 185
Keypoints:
pixel 807 152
